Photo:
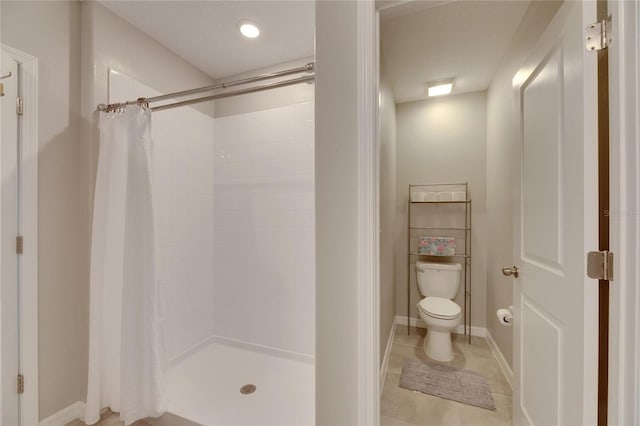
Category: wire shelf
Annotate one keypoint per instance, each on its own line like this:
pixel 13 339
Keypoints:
pixel 415 253
pixel 466 255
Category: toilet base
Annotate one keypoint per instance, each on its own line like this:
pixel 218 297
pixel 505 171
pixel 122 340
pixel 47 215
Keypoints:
pixel 437 345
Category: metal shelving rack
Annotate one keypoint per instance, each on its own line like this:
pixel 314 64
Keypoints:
pixel 466 255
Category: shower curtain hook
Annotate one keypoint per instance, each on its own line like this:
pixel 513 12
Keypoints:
pixel 143 103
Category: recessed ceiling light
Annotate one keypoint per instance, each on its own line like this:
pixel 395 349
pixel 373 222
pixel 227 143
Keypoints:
pixel 439 88
pixel 249 29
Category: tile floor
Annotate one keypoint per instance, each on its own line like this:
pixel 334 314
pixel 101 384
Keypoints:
pixel 401 407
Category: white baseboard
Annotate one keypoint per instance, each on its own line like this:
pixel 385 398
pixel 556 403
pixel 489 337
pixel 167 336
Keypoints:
pixel 502 361
pixel 387 353
pixel 417 322
pixel 66 415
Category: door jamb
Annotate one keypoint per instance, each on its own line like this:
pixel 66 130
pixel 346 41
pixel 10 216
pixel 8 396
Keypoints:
pixel 604 189
pixel 367 213
pixel 29 231
pixel 624 327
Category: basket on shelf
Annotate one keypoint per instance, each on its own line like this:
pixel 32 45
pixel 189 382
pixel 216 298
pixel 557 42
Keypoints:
pixel 437 246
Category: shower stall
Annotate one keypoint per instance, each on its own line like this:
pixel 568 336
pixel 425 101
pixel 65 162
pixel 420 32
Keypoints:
pixel 231 208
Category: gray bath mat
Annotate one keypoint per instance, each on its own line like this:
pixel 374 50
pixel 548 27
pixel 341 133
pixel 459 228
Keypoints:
pixel 447 382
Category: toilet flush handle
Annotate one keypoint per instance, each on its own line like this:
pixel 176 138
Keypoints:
pixel 512 271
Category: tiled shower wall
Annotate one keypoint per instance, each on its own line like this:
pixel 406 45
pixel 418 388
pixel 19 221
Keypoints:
pixel 183 160
pixel 264 246
pixel 255 281
pixel 183 197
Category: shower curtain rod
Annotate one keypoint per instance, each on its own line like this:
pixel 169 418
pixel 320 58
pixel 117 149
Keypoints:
pixel 309 68
pixel 260 88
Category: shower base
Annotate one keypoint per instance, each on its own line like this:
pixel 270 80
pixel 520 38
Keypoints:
pixel 204 387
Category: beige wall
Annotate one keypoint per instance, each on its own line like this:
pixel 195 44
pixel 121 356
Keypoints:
pixel 500 136
pixel 336 210
pixel 443 140
pixel 50 31
pixel 388 214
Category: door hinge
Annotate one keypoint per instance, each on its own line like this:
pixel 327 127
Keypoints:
pixel 598 35
pixel 19 106
pixel 600 265
pixel 20 384
pixel 19 244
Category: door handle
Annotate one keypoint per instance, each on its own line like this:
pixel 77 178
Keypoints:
pixel 513 271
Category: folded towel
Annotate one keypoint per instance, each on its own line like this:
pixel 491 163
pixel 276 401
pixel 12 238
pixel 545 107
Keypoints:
pixel 431 196
pixel 437 246
pixel 459 196
pixel 444 196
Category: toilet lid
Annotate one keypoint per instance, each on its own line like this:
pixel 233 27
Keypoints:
pixel 439 307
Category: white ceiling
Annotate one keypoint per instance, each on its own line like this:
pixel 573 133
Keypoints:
pixel 205 33
pixel 461 39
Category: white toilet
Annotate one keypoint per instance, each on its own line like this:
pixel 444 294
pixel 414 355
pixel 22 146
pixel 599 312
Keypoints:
pixel 439 283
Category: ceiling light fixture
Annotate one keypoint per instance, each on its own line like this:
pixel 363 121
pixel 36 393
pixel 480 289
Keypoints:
pixel 439 88
pixel 249 29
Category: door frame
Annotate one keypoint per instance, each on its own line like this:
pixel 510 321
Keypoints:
pixel 624 104
pixel 29 211
pixel 624 75
pixel 368 246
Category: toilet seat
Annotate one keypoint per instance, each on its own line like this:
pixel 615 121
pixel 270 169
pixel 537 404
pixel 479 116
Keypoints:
pixel 438 307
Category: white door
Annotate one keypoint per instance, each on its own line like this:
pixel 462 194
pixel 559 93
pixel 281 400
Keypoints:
pixel 555 324
pixel 9 296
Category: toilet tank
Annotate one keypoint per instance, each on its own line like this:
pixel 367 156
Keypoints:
pixel 438 279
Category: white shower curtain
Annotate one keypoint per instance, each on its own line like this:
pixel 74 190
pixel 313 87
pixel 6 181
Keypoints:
pixel 126 354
